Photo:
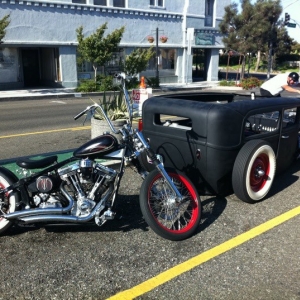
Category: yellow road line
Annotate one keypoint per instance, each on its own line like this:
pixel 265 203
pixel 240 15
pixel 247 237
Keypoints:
pixel 46 131
pixel 88 127
pixel 166 276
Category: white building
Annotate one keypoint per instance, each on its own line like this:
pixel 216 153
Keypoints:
pixel 39 48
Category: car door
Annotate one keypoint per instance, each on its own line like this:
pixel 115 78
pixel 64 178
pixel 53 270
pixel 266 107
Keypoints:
pixel 288 142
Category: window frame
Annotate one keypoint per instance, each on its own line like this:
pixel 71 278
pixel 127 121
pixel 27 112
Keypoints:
pixel 78 1
pixel 157 4
pixel 123 5
pixel 101 4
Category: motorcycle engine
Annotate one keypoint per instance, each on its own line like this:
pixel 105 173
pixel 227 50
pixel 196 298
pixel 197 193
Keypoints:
pixel 47 201
pixel 45 192
pixel 87 181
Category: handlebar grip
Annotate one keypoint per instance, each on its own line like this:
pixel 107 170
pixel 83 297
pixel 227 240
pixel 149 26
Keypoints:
pixel 80 114
pixel 119 76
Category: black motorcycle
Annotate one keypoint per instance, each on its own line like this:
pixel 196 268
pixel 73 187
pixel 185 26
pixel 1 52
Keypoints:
pixel 80 189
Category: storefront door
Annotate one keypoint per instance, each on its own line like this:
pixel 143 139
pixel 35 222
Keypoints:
pixel 199 73
pixel 31 67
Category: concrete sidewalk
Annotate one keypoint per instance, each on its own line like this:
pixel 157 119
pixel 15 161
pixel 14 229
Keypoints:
pixel 35 93
pixel 41 93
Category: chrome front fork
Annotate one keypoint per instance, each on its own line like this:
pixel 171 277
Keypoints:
pixel 159 165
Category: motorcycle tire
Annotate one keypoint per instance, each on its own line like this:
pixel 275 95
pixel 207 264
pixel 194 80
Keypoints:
pixel 144 162
pixel 170 219
pixel 11 199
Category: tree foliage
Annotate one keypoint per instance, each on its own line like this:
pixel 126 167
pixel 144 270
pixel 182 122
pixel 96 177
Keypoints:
pixel 284 43
pixel 96 48
pixel 254 28
pixel 296 48
pixel 4 22
pixel 137 61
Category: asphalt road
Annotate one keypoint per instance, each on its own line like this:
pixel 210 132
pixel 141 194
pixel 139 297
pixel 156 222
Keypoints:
pixel 236 253
pixel 40 126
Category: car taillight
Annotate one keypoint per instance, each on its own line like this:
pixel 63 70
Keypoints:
pixel 140 125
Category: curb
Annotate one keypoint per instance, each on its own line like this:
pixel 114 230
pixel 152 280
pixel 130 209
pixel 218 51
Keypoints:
pixel 38 95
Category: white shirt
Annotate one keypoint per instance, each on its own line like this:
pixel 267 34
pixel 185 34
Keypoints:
pixel 274 85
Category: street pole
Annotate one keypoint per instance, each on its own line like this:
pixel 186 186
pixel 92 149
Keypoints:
pixel 157 57
pixel 270 49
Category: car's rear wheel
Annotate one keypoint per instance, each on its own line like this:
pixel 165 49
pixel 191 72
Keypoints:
pixel 254 171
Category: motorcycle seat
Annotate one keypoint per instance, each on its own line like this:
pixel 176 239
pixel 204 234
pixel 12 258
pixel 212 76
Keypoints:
pixel 28 163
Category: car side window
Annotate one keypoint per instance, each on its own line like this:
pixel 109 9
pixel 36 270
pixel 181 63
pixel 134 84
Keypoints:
pixel 177 122
pixel 289 117
pixel 261 123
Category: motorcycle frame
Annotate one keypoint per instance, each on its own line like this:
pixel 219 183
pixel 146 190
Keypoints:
pixel 20 185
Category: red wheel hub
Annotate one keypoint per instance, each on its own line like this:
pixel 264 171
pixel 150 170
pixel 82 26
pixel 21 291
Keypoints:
pixel 259 172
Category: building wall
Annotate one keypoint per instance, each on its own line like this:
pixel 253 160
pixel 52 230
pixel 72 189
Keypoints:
pixel 53 24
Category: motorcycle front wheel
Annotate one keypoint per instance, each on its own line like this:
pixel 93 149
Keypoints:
pixel 167 217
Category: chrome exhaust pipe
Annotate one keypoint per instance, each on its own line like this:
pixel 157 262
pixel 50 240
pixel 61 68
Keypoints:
pixel 66 218
pixel 43 211
pixel 56 218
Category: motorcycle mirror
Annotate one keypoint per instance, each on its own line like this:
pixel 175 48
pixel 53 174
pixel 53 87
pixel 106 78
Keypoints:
pixel 120 75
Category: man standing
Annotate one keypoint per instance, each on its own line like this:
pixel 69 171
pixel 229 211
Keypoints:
pixel 274 86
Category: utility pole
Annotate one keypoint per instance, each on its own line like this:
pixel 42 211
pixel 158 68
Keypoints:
pixel 271 41
pixel 157 57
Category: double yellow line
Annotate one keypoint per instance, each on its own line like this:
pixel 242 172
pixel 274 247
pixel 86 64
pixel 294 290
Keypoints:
pixel 168 275
pixel 46 131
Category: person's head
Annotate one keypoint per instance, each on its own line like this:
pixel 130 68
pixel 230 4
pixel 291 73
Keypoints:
pixel 293 78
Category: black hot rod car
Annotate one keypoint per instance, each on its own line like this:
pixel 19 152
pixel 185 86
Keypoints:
pixel 224 143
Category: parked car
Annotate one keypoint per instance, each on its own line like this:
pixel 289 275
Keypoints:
pixel 224 143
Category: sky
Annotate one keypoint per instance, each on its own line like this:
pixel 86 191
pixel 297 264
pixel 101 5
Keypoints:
pixel 292 7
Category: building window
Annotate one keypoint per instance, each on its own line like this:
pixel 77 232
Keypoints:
pixel 79 1
pixel 115 64
pixel 209 7
pixel 119 3
pixel 209 12
pixel 100 2
pixel 167 63
pixel 159 3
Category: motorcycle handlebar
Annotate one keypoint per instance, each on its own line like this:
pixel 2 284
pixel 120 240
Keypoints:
pixel 118 76
pixel 80 114
pixel 83 112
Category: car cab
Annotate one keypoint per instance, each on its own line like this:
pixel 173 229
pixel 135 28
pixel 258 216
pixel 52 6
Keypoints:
pixel 223 142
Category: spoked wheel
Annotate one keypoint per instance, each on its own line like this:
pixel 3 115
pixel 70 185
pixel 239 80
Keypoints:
pixel 7 202
pixel 254 171
pixel 169 218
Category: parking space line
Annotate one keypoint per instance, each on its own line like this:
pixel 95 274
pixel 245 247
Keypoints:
pixel 195 261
